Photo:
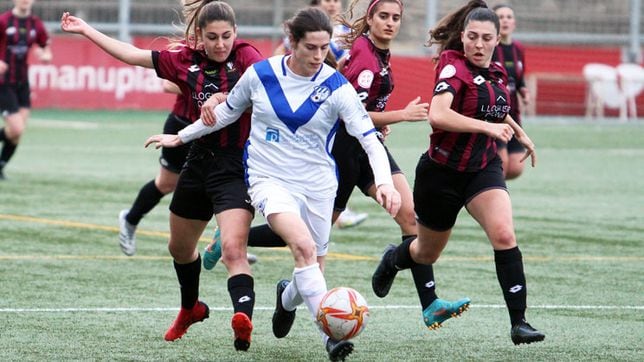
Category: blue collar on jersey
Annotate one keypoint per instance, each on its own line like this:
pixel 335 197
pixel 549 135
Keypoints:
pixel 293 120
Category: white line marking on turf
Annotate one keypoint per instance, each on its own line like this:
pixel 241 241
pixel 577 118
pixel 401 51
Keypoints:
pixel 483 306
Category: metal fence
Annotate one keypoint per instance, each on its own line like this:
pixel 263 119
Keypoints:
pixel 544 21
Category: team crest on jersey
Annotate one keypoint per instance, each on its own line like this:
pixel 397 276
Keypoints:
pixel 320 94
pixel 32 33
pixel 447 72
pixel 365 78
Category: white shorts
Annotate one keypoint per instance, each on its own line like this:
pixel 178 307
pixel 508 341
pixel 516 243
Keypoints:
pixel 270 197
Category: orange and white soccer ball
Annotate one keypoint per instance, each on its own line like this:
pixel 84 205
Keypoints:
pixel 343 313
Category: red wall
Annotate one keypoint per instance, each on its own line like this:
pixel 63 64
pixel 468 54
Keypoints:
pixel 84 77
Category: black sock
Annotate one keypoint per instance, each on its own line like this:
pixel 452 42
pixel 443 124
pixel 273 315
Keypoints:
pixel 2 135
pixel 188 275
pixel 402 258
pixel 148 197
pixel 240 288
pixel 264 236
pixel 424 280
pixel 509 271
pixel 8 149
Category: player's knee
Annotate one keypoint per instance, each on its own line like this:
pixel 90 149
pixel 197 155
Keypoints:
pixel 304 251
pixel 503 239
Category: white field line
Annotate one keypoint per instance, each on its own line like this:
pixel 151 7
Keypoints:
pixel 160 309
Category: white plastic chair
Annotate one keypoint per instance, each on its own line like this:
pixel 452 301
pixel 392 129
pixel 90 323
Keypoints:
pixel 603 90
pixel 631 81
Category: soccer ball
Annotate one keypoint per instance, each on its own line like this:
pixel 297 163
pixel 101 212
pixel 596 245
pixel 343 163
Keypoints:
pixel 343 313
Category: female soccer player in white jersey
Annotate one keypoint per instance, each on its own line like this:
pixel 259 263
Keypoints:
pixel 297 102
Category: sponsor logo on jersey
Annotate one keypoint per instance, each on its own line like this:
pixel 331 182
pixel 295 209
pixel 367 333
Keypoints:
pixel 272 134
pixel 320 94
pixel 478 80
pixel 447 72
pixel 365 78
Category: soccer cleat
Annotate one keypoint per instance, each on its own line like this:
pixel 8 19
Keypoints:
pixel 185 319
pixel 441 310
pixel 524 333
pixel 252 258
pixel 127 239
pixel 242 326
pixel 385 273
pixel 282 319
pixel 212 253
pixel 338 350
pixel 349 218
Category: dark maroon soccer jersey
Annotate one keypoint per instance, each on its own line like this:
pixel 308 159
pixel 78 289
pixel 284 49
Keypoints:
pixel 17 35
pixel 479 93
pixel 512 58
pixel 369 71
pixel 199 78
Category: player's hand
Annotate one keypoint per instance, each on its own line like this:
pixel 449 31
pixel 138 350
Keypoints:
pixel 416 111
pixel 164 140
pixel 530 148
pixel 500 131
pixel 389 198
pixel 3 67
pixel 72 24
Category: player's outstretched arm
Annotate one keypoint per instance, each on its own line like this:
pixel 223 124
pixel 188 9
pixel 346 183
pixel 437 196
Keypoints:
pixel 122 51
pixel 164 140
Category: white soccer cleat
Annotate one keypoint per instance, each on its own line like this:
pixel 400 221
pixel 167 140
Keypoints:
pixel 127 239
pixel 349 218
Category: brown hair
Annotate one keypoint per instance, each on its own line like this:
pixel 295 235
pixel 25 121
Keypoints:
pixel 447 34
pixel 360 26
pixel 200 13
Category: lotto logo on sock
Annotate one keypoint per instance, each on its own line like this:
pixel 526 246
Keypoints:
pixel 515 289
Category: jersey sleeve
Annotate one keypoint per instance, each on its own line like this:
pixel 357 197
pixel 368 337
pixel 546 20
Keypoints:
pixel 42 36
pixel 448 71
pixel 165 64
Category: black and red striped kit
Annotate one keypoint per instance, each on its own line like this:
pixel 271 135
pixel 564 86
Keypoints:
pixel 512 58
pixel 17 35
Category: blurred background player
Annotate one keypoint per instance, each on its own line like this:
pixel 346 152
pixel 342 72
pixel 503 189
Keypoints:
pixel 19 30
pixel 212 180
pixel 511 55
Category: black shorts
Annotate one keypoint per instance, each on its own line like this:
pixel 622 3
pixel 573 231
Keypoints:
pixel 13 97
pixel 210 183
pixel 354 169
pixel 514 146
pixel 172 159
pixel 440 192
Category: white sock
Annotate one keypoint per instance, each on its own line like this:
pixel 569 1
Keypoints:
pixel 311 286
pixel 291 298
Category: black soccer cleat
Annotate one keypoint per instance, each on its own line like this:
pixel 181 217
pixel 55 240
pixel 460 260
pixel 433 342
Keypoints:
pixel 524 333
pixel 282 319
pixel 385 273
pixel 338 350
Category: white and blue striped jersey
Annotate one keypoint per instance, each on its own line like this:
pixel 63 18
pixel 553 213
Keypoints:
pixel 293 125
